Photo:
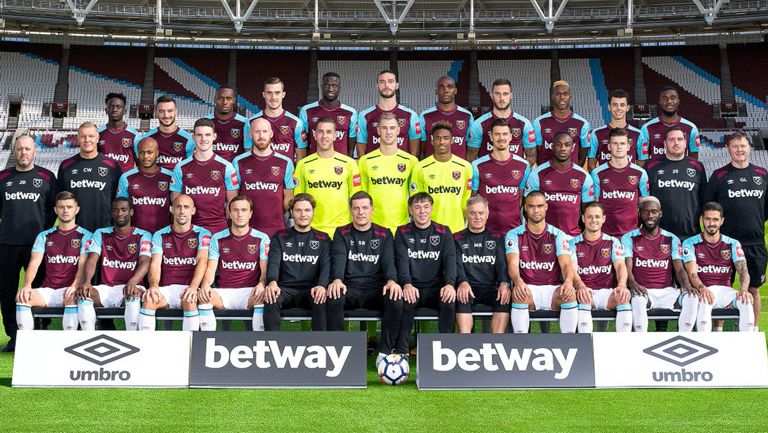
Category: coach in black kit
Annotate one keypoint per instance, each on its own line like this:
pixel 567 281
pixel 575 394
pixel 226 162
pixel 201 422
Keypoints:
pixel 298 268
pixel 363 275
pixel 92 177
pixel 425 255
pixel 27 197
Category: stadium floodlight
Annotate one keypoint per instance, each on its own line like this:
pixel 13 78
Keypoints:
pixel 710 13
pixel 237 17
pixel 397 18
pixel 80 14
pixel 549 19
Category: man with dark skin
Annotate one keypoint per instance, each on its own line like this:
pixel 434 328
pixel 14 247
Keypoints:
pixel 233 131
pixel 653 132
pixel 330 106
pixel 561 118
pixel 461 120
pixel 117 139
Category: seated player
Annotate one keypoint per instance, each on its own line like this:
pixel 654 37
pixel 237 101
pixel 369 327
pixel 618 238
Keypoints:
pixel 124 252
pixel 179 260
pixel 539 262
pixel 709 259
pixel 601 274
pixel 482 270
pixel 363 275
pixel 425 255
pixel 237 264
pixel 299 268
pixel 652 256
pixel 62 248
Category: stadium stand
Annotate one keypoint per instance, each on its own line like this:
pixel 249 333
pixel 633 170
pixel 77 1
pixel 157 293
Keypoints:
pixel 748 63
pixel 292 67
pixel 33 78
pixel 417 82
pixel 587 89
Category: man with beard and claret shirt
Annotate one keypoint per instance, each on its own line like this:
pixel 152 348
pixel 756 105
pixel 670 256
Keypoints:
pixel 446 110
pixel 174 144
pixel 233 135
pixel 343 116
pixel 117 140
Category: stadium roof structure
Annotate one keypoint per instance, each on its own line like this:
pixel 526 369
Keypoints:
pixel 353 24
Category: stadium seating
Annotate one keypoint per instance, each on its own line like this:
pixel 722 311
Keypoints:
pixel 748 66
pixel 587 89
pixel 88 90
pixel 417 82
pixel 32 77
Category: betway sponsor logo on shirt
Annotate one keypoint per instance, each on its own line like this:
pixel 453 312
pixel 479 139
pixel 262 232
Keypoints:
pixel 400 141
pixel 627 195
pixel 63 260
pixel 226 147
pixel 167 159
pixel 745 193
pixel 299 258
pixel 537 266
pixel 478 260
pixel 335 184
pixel 442 189
pixel 280 147
pixel 22 195
pixel 117 157
pixel 674 183
pixel 85 183
pixel 118 264
pixel 360 257
pixel 651 263
pixel 202 190
pixel 237 265
pixel 561 197
pixel 260 186
pixel 502 189
pixel 179 261
pixel 594 270
pixel 149 201
pixel 386 180
pixel 713 269
pixel 424 255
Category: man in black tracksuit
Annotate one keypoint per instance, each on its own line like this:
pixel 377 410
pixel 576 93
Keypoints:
pixel 298 268
pixel 425 255
pixel 363 275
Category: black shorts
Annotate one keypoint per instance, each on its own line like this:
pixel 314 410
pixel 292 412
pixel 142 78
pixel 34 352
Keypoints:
pixel 365 299
pixel 483 297
pixel 757 259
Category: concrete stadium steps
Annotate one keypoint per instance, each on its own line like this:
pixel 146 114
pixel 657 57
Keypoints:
pixel 34 78
pixel 417 82
pixel 529 78
pixel 88 90
pixel 587 82
pixel 178 71
pixel 749 64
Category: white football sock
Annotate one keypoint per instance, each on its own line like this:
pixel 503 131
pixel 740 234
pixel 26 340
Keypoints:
pixel 131 314
pixel 746 317
pixel 569 317
pixel 86 314
pixel 24 319
pixel 688 313
pixel 704 317
pixel 585 319
pixel 147 320
pixel 624 318
pixel 640 313
pixel 207 318
pixel 69 321
pixel 191 321
pixel 258 317
pixel 520 318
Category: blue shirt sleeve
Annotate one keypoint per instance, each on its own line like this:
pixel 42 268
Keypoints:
pixel 587 190
pixel 203 240
pixel 642 144
pixel 230 178
pixel 626 242
pixel 475 176
pixel 247 140
pixel 533 183
pixel 353 129
pixel 677 248
pixel 39 245
pixel 643 186
pixel 688 253
pixel 122 186
pixel 300 135
pixel 475 134
pixel 595 184
pixel 529 133
pixel 157 242
pixel 584 136
pixel 592 145
pixel 213 248
pixel 176 179
pixel 415 126
pixel 146 244
pixel 94 243
pixel 362 129
pixel 537 132
pixel 510 243
pixel 693 140
pixel 289 182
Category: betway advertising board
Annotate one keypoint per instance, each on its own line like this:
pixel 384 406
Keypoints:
pixel 101 359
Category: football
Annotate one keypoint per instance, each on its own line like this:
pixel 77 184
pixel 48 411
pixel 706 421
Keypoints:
pixel 393 369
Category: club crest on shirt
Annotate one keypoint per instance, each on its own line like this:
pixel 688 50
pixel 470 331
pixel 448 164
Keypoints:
pixel 235 133
pixel 103 171
pixel 374 244
pixel 75 243
pixel 516 174
pixel 632 180
pixel 401 168
pixel 285 129
pixel 572 132
pixel 547 248
pixel 275 170
pixel 401 122
pixel 338 170
pixel 314 244
pixel 758 180
pixel 574 183
pixel 665 248
pixel 726 254
pixel 516 132
pixel 251 248
pixel 461 124
pixel 162 185
pixel 126 142
pixel 434 240
pixel 491 245
pixel 215 174
pixel 606 252
pixel 132 248
pixel 341 120
pixel 691 172
pixel 177 146
pixel 192 243
pixel 456 174
pixel 37 183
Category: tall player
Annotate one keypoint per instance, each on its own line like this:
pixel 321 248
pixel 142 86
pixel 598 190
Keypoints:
pixel 522 137
pixel 565 185
pixel 385 174
pixel 652 133
pixel 678 181
pixel 117 140
pixel 540 268
pixel 368 138
pixel 600 279
pixel 26 208
pixel 561 118
pixel 209 179
pixel 174 144
pixel 619 185
pixel 123 251
pixel 482 276
pixel 330 177
pixel 446 110
pixel 446 178
pixel 237 265
pixel 147 186
pixel 266 178
pixel 233 135
pixel 179 259
pixel 92 177
pixel 599 151
pixel 740 188
pixel 343 116
pixel 709 260
pixel 499 177
pixel 288 135
pixel 653 258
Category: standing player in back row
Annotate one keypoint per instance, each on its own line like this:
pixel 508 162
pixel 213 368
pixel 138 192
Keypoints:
pixel 174 144
pixel 368 138
pixel 288 135
pixel 329 107
pixel 651 141
pixel 599 151
pixel 233 135
pixel 522 141
pixel 446 110
pixel 561 118
pixel 117 140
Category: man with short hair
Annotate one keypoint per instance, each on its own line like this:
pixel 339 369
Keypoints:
pixel 522 140
pixel 446 178
pixel 425 255
pixel 540 268
pixel 61 251
pixel 299 268
pixel 209 179
pixel 482 276
pixel 27 194
pixel 600 279
pixel 363 275
pixel 561 118
pixel 233 135
pixel 265 177
pixel 179 260
pixel 446 110
pixel 709 259
pixel 653 258
pixel 330 177
pixel 599 151
pixel 740 188
pixel 237 266
pixel 385 174
pixel 148 187
pixel 565 185
pixel 123 251
pixel 343 117
pixel 174 144
pixel 288 135
pixel 117 139
pixel 368 138
pixel 652 133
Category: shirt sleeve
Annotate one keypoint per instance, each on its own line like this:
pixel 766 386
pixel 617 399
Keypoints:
pixel 324 271
pixel 595 185
pixel 626 242
pixel 415 128
pixel 273 262
pixel 688 253
pixel 694 140
pixel 213 248
pixel 586 128
pixel 94 243
pixel 247 140
pixel 475 135
pixel 529 141
pixel 289 182
pixel 302 144
pixel 502 273
pixel 146 245
pixel 157 242
pixel 300 135
pixel 537 132
pixel 510 243
pixel 423 135
pixel 230 178
pixel 354 177
pixel 617 252
pixel 176 179
pixel 677 248
pixel 338 256
pixel 449 259
pixel 532 183
pixel 264 247
pixel 388 257
pixel 593 144
pixel 204 240
pixel 737 252
pixel 461 273
pixel 298 178
pixel 587 190
pixel 122 186
pixel 401 259
pixel 475 176
pixel 353 119
pixel 644 186
pixel 362 129
pixel 642 144
pixel 39 245
pixel 562 248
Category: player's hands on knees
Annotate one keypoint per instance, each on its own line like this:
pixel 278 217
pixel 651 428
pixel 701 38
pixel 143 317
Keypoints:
pixel 152 295
pixel 706 295
pixel 394 290
pixel 70 294
pixel 638 290
pixel 567 292
pixel 272 293
pixel 131 290
pixel 189 295
pixel 448 294
pixel 410 293
pixel 84 292
pixel 24 295
pixel 319 294
pixel 257 294
pixel 504 294
pixel 521 291
pixel 464 292
pixel 744 296
pixel 622 295
pixel 204 295
pixel 336 289
pixel 584 295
